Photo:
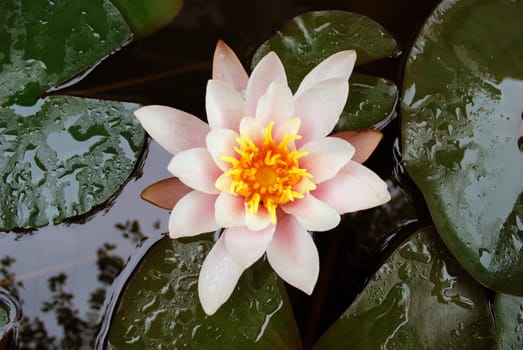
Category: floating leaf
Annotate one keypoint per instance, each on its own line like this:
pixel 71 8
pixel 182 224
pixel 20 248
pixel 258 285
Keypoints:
pixel 508 310
pixel 62 157
pixel 306 40
pixel 4 319
pixel 371 103
pixel 159 308
pixel 421 298
pixel 44 43
pixel 461 114
pixel 146 16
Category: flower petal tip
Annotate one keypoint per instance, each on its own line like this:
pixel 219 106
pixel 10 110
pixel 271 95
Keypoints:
pixel 165 193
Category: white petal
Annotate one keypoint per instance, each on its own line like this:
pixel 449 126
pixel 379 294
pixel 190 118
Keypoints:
pixel 224 105
pixel 253 129
pixel 223 183
pixel 293 255
pixel 312 213
pixel 258 221
pixel 221 142
pixel 336 66
pixel 326 157
pixel 218 277
pixel 196 168
pixel 354 188
pixel 227 67
pixel 319 109
pixel 173 129
pixel 192 215
pixel 289 127
pixel 268 70
pixel 246 246
pixel 276 104
pixel 230 210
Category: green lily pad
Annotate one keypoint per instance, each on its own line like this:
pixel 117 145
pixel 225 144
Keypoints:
pixel 420 298
pixel 306 40
pixel 62 157
pixel 461 114
pixel 44 43
pixel 508 310
pixel 4 318
pixel 159 308
pixel 371 103
pixel 146 16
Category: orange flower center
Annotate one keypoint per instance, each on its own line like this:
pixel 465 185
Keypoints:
pixel 268 174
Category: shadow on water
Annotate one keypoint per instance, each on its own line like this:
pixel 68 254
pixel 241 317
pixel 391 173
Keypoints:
pixel 59 278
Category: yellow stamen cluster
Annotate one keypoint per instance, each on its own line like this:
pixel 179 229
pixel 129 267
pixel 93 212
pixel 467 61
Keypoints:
pixel 267 174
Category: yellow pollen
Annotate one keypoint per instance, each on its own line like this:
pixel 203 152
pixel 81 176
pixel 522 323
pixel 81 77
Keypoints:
pixel 267 174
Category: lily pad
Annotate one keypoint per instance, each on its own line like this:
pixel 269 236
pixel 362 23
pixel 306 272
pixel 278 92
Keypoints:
pixel 508 310
pixel 420 298
pixel 4 318
pixel 306 40
pixel 372 101
pixel 461 114
pixel 45 43
pixel 62 157
pixel 159 308
pixel 146 16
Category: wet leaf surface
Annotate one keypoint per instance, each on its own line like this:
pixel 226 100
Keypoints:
pixel 461 114
pixel 508 310
pixel 63 156
pixel 420 298
pixel 146 16
pixel 306 40
pixel 4 318
pixel 45 43
pixel 159 308
pixel 371 103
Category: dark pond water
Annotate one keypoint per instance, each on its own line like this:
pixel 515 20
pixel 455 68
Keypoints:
pixel 60 279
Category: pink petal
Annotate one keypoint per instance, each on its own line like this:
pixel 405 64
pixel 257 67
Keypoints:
pixel 312 213
pixel 229 210
pixel 293 255
pixel 253 129
pixel 364 141
pixel 258 221
pixel 192 215
pixel 225 106
pixel 319 109
pixel 221 142
pixel 218 277
pixel 246 246
pixel 354 188
pixel 325 157
pixel 268 70
pixel 276 104
pixel 165 193
pixel 336 66
pixel 196 168
pixel 173 129
pixel 227 67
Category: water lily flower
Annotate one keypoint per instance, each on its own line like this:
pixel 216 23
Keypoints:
pixel 263 168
